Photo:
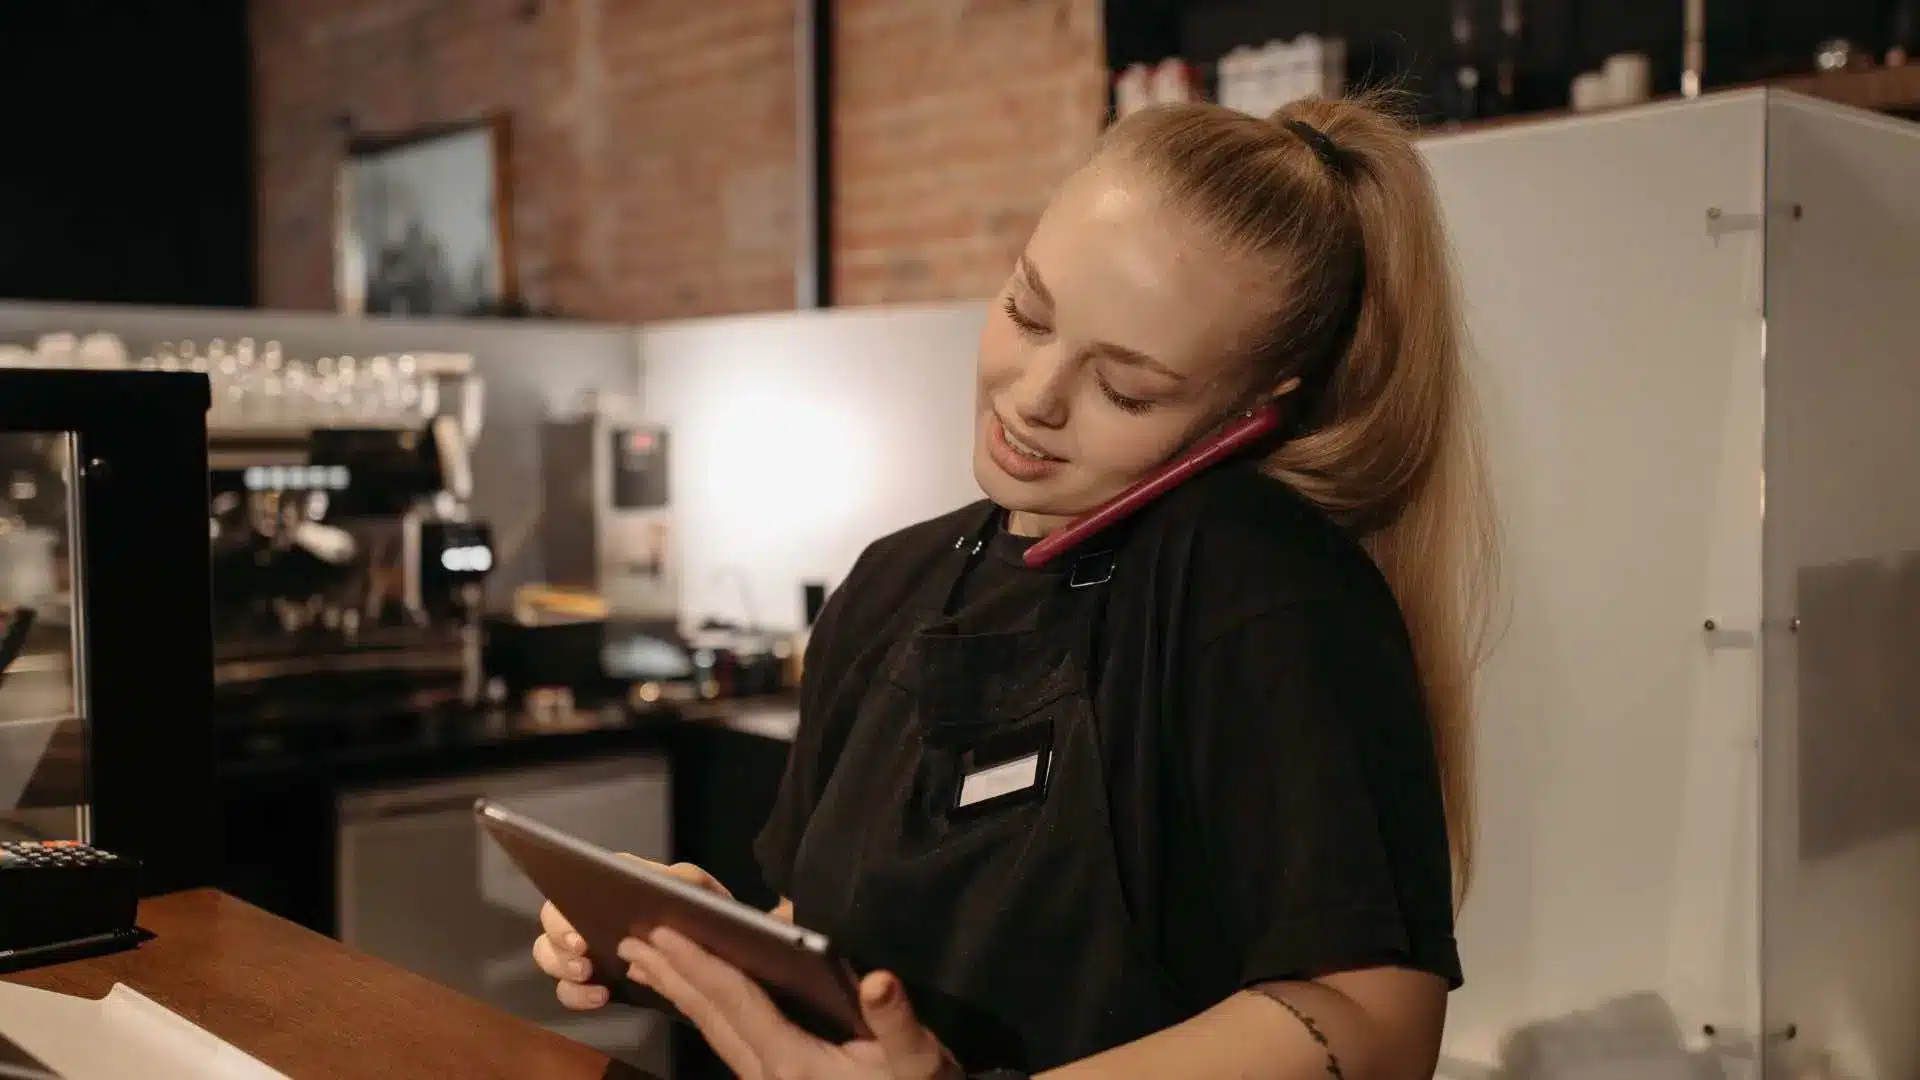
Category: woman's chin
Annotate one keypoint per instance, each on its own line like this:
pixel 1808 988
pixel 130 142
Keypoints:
pixel 1007 492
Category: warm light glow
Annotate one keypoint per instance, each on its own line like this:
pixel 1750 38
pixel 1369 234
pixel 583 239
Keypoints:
pixel 768 461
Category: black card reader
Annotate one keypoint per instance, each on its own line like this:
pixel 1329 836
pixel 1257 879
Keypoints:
pixel 62 900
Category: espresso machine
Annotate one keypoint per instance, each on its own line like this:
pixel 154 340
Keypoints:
pixel 348 572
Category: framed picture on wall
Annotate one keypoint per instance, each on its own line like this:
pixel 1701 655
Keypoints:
pixel 422 223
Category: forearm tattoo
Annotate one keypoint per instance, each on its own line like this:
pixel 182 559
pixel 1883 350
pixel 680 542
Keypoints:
pixel 1333 1061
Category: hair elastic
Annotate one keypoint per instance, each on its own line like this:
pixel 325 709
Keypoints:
pixel 1318 142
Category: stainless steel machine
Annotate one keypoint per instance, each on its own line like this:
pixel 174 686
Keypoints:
pixel 348 572
pixel 609 522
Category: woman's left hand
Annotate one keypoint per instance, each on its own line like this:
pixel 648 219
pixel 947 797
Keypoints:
pixel 757 1042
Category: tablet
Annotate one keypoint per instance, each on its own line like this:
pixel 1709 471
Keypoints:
pixel 608 898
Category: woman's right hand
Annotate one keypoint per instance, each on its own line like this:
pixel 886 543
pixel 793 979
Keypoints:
pixel 562 953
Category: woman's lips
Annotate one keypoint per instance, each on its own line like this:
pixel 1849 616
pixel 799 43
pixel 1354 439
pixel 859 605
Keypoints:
pixel 1020 462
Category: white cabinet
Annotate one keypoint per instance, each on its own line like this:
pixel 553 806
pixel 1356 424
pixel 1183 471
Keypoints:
pixel 1694 332
pixel 420 886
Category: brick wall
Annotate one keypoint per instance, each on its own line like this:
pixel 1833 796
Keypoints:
pixel 953 123
pixel 653 141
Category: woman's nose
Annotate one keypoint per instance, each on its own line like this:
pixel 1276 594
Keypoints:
pixel 1040 393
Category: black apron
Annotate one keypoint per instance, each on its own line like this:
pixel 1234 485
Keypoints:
pixel 1004 917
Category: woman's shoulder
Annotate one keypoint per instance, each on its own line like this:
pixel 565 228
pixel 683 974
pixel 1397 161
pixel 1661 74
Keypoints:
pixel 883 596
pixel 905 555
pixel 891 571
pixel 1234 540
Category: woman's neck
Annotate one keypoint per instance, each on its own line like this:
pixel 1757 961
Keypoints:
pixel 1022 523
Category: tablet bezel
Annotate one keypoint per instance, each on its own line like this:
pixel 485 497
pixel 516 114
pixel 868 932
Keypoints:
pixel 797 966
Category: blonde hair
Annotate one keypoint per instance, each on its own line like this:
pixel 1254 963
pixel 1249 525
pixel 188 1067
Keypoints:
pixel 1333 197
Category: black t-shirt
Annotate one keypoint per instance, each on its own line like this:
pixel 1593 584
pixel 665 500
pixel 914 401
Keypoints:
pixel 1276 804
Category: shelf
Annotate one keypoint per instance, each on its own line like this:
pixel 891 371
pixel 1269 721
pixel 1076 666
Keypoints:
pixel 1894 89
pixel 1889 90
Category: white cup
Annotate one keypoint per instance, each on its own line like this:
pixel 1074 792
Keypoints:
pixel 1172 82
pixel 1629 78
pixel 1590 92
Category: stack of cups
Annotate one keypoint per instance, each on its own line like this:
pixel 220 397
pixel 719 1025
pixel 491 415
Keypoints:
pixel 1259 81
pixel 1171 80
pixel 1625 79
pixel 1256 81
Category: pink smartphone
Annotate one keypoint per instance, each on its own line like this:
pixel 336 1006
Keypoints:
pixel 1249 428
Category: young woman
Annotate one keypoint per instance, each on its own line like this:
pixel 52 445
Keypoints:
pixel 1194 801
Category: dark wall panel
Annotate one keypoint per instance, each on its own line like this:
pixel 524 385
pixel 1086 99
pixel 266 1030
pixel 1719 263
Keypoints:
pixel 128 152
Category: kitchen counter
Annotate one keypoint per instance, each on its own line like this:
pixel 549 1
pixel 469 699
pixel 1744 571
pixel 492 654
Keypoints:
pixel 312 1008
pixel 281 782
pixel 356 747
pixel 351 748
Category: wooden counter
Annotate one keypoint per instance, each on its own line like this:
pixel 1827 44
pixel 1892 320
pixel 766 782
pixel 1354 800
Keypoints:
pixel 312 1008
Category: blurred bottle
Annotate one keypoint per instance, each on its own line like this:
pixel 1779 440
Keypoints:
pixel 1464 85
pixel 1901 25
pixel 1509 92
pixel 813 597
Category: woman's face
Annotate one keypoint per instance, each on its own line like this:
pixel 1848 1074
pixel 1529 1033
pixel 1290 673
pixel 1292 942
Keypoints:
pixel 1114 343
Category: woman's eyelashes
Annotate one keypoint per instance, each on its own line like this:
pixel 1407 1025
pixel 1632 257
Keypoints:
pixel 1032 327
pixel 1121 401
pixel 1018 318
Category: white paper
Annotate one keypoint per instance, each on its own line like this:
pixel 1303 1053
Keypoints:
pixel 124 1034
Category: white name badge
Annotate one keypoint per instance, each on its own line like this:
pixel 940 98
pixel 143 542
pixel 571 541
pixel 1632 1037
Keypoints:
pixel 996 781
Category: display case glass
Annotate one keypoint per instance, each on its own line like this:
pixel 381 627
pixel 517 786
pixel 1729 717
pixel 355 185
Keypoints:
pixel 106 685
pixel 42 711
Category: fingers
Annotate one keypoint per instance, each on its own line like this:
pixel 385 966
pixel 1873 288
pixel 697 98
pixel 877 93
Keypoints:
pixel 561 953
pixel 739 998
pixel 911 1049
pixel 652 969
pixel 571 972
pixel 694 875
pixel 579 996
pixel 559 963
pixel 556 926
pixel 687 872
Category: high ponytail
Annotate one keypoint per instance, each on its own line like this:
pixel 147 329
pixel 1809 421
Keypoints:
pixel 1336 198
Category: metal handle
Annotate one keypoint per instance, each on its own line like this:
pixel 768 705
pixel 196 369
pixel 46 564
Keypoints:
pixel 1724 637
